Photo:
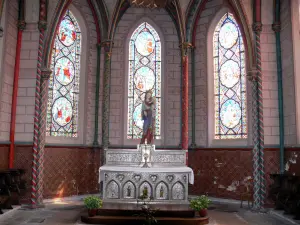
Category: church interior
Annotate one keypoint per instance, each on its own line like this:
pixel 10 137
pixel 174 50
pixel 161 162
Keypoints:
pixel 181 98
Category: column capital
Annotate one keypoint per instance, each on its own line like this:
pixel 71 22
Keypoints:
pixel 257 27
pixel 21 25
pixel 185 46
pixel 42 25
pixel 252 74
pixel 46 73
pixel 107 44
pixel 276 27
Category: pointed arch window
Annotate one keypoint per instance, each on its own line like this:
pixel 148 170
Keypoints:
pixel 229 80
pixel 144 74
pixel 63 95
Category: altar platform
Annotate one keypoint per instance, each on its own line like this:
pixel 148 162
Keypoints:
pixel 124 213
pixel 162 174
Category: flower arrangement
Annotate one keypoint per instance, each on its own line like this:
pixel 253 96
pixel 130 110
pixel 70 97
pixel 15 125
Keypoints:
pixel 92 203
pixel 200 204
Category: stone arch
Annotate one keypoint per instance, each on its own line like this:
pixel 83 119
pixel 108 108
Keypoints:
pixel 178 191
pixel 144 185
pixel 193 17
pixel 129 190
pixel 211 86
pixel 112 190
pixel 162 191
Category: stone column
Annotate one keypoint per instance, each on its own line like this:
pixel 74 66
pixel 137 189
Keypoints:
pixel 21 27
pixel 185 98
pixel 38 145
pixel 258 128
pixel 45 72
pixel 107 45
pixel 96 143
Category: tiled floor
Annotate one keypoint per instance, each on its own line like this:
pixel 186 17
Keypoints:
pixel 68 213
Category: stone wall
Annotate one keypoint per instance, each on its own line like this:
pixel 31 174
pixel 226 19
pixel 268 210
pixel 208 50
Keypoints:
pixel 288 76
pixel 171 75
pixel 270 93
pixel 9 43
pixel 26 96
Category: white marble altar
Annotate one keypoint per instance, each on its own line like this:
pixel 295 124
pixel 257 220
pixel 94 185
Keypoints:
pixel 165 176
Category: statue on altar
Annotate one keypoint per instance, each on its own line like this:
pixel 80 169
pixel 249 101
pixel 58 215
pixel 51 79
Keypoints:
pixel 148 115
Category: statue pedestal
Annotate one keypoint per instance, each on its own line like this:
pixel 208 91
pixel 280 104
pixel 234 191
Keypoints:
pixel 166 180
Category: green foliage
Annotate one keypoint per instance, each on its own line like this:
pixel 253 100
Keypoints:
pixel 92 202
pixel 201 202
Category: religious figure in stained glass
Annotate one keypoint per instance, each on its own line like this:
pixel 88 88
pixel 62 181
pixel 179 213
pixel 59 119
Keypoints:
pixel 148 116
pixel 144 77
pixel 62 112
pixel 229 80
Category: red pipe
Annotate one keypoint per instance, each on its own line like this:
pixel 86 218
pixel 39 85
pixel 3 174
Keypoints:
pixel 14 99
pixel 185 106
pixel 258 11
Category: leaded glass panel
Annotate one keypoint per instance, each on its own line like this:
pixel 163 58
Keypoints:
pixel 62 111
pixel 144 74
pixel 229 80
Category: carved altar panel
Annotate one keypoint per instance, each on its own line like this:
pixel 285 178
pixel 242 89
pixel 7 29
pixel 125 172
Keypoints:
pixel 112 190
pixel 129 190
pixel 135 157
pixel 146 186
pixel 162 191
pixel 178 191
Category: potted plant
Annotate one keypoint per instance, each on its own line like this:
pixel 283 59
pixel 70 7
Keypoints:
pixel 92 203
pixel 200 204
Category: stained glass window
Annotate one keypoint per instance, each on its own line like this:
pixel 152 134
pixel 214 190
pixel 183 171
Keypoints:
pixel 229 80
pixel 144 74
pixel 62 111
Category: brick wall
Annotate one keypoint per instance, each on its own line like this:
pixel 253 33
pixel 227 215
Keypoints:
pixel 170 75
pixel 290 129
pixel 7 74
pixel 67 170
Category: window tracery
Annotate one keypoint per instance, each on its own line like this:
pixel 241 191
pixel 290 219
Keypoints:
pixel 229 80
pixel 63 95
pixel 144 75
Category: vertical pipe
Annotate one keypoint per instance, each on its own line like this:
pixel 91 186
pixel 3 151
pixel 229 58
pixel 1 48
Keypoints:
pixel 106 92
pixel 276 28
pixel 185 100
pixel 96 143
pixel 21 27
pixel 193 145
